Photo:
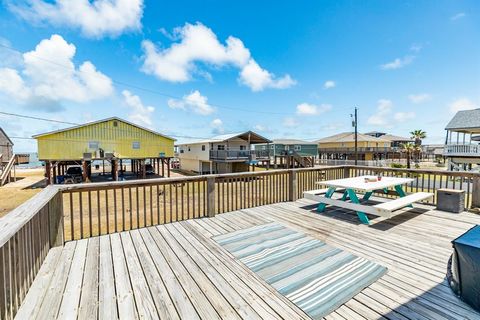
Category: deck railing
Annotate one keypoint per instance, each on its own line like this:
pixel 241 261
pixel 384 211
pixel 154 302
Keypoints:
pixel 238 154
pixel 71 212
pixel 472 150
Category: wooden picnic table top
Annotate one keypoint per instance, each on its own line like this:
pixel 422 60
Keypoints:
pixel 358 183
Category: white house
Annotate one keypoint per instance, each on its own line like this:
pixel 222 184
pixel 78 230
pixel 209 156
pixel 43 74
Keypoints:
pixel 222 154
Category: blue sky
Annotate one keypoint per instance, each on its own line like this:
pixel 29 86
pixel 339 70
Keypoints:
pixel 281 68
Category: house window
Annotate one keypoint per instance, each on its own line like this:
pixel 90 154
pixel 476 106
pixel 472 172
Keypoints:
pixel 115 123
pixel 203 147
pixel 135 145
pixel 188 149
pixel 243 147
pixel 220 147
pixel 272 147
pixel 264 147
pixel 181 151
pixel 93 145
pixel 297 147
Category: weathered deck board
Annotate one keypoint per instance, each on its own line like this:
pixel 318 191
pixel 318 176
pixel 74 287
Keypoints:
pixel 176 271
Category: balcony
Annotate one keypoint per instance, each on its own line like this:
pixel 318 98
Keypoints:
pixel 239 155
pixel 144 249
pixel 462 150
pixel 352 150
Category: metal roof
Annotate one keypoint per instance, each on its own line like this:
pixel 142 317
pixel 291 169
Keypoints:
pixel 291 141
pixel 254 138
pixel 392 137
pixel 465 119
pixel 350 137
pixel 100 121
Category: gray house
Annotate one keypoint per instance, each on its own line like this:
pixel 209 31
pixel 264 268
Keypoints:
pixel 291 153
pixel 6 147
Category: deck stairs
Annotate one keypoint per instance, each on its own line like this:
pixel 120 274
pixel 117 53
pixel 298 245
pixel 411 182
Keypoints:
pixel 6 169
pixel 303 162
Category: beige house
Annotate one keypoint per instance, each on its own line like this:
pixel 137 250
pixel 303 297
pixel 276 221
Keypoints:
pixel 223 154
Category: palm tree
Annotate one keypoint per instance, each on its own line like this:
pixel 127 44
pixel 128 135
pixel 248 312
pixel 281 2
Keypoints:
pixel 409 148
pixel 418 135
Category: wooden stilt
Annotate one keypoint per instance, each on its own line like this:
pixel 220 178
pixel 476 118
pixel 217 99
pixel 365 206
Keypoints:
pixel 163 167
pixel 168 167
pixel 47 172
pixel 55 173
pixel 84 171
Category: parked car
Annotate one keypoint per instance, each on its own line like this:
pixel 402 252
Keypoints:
pixel 149 169
pixel 74 175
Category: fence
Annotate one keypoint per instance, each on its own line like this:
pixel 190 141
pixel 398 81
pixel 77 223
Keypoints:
pixel 71 212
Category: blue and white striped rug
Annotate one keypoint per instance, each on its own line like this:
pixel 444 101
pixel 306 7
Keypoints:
pixel 316 277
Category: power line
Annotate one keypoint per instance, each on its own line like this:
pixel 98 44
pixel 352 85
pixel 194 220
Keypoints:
pixel 167 95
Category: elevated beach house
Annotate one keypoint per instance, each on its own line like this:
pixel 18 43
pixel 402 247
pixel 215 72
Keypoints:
pixel 462 148
pixel 342 147
pixel 8 159
pixel 224 153
pixel 110 141
pixel 291 153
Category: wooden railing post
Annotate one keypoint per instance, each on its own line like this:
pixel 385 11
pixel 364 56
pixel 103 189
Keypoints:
pixel 476 192
pixel 55 218
pixel 346 172
pixel 292 185
pixel 211 196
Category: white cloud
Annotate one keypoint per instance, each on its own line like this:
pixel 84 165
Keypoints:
pixel 217 125
pixel 49 74
pixel 95 18
pixel 259 127
pixel 199 44
pixel 457 16
pixel 380 118
pixel 462 104
pixel 290 122
pixel 193 101
pixel 311 109
pixel 140 114
pixel 398 63
pixel 329 84
pixel 419 98
pixel 404 116
pixel 383 115
pixel 13 85
pixel 416 47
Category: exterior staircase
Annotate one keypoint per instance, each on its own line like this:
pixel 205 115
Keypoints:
pixel 303 162
pixel 6 169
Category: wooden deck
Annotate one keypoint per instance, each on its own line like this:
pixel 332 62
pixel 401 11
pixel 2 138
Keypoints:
pixel 176 271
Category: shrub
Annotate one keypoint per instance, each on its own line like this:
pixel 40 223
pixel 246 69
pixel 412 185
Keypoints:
pixel 398 166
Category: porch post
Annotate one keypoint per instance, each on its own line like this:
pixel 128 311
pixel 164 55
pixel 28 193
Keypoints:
pixel 211 196
pixel 476 192
pixel 292 185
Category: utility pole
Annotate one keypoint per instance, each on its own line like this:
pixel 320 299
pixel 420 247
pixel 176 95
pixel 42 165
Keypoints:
pixel 355 125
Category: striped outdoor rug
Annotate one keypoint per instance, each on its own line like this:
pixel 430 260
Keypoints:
pixel 316 277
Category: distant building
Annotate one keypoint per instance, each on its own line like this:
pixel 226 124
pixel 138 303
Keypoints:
pixel 462 148
pixel 224 153
pixel 291 152
pixel 396 141
pixel 6 146
pixel 342 147
pixel 109 140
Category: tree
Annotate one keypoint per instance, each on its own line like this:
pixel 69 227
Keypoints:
pixel 409 148
pixel 418 135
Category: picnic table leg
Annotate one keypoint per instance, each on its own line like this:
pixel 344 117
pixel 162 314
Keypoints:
pixel 401 193
pixel 321 206
pixel 361 215
pixel 345 195
pixel 367 195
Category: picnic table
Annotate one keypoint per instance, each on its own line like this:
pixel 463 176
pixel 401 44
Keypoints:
pixel 365 185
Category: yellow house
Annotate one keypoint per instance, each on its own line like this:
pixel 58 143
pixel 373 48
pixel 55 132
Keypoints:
pixel 111 139
pixel 342 146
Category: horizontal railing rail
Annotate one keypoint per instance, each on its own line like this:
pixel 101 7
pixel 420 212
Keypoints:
pixel 238 154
